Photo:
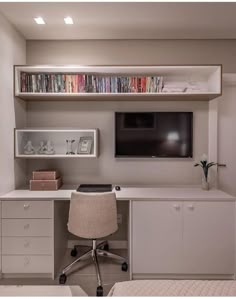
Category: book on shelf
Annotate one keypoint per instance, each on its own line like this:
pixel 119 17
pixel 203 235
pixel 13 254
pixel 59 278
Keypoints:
pixel 88 83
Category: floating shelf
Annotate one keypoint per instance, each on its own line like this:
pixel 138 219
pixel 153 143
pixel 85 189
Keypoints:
pixel 57 138
pixel 204 82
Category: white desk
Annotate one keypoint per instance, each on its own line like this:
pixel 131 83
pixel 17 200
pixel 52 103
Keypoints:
pixel 176 232
pixel 127 193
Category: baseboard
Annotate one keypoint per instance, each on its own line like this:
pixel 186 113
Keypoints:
pixel 113 244
pixel 184 276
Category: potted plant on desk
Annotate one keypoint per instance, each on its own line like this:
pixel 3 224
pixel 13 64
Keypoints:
pixel 205 167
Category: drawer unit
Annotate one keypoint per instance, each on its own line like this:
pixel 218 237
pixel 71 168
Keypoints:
pixel 27 209
pixel 27 227
pixel 27 264
pixel 27 245
pixel 0 220
pixel 0 236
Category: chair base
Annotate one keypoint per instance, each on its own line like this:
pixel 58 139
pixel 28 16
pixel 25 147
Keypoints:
pixel 94 252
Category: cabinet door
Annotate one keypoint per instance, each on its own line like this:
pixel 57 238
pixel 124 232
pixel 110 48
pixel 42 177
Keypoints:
pixel 209 237
pixel 156 237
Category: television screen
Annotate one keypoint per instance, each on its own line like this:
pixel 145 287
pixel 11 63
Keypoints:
pixel 154 134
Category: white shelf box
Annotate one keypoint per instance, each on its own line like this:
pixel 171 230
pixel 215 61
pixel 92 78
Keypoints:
pixel 58 138
pixel 199 82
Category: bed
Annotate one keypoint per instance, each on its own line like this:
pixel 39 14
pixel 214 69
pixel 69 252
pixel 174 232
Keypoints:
pixel 49 290
pixel 174 288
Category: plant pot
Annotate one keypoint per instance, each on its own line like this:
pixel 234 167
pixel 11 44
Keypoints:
pixel 205 184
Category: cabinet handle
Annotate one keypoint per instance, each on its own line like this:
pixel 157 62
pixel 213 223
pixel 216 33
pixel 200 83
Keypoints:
pixel 191 207
pixel 26 244
pixel 177 207
pixel 26 226
pixel 26 206
pixel 26 261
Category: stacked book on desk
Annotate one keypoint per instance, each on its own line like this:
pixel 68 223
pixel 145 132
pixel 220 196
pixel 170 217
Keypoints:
pixel 47 180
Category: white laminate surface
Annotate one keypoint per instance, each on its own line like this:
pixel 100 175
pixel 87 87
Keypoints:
pixel 27 209
pixel 27 263
pixel 128 193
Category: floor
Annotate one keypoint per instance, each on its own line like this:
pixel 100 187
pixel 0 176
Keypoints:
pixel 85 277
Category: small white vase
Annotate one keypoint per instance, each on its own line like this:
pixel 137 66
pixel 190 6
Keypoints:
pixel 205 184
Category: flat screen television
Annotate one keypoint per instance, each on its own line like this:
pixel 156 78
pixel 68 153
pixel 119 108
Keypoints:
pixel 154 134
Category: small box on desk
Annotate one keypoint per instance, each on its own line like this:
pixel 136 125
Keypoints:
pixel 45 175
pixel 45 185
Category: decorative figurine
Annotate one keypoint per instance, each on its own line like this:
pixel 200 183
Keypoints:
pixel 49 149
pixel 41 149
pixel 28 148
pixel 69 145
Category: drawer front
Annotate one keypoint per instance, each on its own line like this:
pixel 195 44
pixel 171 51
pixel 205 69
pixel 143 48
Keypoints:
pixel 27 264
pixel 27 209
pixel 27 227
pixel 27 245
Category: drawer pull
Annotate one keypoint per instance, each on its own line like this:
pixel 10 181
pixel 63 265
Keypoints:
pixel 26 206
pixel 26 244
pixel 177 207
pixel 191 207
pixel 26 261
pixel 26 226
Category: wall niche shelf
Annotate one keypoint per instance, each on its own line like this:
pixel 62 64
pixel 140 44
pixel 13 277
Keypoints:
pixel 118 83
pixel 59 143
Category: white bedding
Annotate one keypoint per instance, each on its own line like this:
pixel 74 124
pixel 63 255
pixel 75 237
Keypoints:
pixel 58 291
pixel 174 288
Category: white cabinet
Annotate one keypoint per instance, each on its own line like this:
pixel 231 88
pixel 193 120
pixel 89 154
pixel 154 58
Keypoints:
pixel 156 237
pixel 208 236
pixel 0 237
pixel 183 237
pixel 27 237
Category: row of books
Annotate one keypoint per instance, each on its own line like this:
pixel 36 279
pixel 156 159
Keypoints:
pixel 84 83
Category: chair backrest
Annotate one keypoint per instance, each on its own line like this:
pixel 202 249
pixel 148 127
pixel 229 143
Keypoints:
pixel 92 215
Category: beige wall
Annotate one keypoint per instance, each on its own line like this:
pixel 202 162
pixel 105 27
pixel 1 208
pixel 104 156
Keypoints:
pixel 134 52
pixel 13 111
pixel 101 115
pixel 107 168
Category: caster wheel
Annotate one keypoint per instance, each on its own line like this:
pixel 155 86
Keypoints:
pixel 124 267
pixel 106 247
pixel 62 279
pixel 73 252
pixel 99 291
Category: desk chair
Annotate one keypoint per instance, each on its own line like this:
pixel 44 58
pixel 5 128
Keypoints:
pixel 93 216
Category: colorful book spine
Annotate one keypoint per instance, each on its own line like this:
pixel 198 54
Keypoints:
pixel 82 83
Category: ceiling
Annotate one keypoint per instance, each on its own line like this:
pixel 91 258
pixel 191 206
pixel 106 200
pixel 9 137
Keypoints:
pixel 123 20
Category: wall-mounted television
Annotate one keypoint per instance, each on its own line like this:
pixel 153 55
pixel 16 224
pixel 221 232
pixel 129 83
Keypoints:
pixel 154 134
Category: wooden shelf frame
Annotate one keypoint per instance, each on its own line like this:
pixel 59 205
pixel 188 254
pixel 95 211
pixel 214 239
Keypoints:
pixel 208 76
pixel 21 136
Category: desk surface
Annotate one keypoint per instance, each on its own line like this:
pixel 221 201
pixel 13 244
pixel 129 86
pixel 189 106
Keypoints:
pixel 128 193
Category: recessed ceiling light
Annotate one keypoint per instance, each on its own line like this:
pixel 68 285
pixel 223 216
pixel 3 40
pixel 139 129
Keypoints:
pixel 39 21
pixel 68 21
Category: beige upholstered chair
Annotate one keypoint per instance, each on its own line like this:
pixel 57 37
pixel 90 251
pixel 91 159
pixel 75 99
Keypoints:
pixel 93 216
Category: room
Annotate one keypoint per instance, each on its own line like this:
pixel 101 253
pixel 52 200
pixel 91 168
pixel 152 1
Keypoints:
pixel 117 155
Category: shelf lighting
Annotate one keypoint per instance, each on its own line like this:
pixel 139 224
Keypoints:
pixel 68 21
pixel 39 20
